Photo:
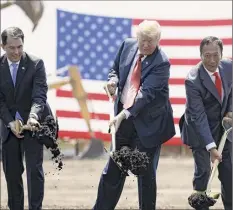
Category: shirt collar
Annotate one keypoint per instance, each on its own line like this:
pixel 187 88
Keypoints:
pixel 211 73
pixel 138 52
pixel 10 62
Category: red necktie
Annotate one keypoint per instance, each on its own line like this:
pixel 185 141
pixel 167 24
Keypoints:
pixel 134 83
pixel 218 84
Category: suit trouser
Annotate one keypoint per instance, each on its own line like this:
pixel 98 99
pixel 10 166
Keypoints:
pixel 203 170
pixel 12 158
pixel 0 149
pixel 112 181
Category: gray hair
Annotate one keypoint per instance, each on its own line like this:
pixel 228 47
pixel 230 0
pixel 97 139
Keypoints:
pixel 149 28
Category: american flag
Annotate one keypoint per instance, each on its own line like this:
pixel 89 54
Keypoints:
pixel 91 42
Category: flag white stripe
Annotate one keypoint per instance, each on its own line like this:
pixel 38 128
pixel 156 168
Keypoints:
pixel 189 52
pixel 176 71
pixel 100 107
pixel 193 32
pixel 97 125
pixel 97 87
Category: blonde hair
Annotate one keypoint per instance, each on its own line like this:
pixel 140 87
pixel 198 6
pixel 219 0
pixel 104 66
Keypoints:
pixel 149 28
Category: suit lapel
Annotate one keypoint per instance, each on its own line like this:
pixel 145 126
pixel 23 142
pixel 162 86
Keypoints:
pixel 21 71
pixel 148 60
pixel 208 83
pixel 224 83
pixel 6 74
pixel 128 63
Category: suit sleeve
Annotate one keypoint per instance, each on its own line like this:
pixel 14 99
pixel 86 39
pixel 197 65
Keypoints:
pixel 114 71
pixel 229 102
pixel 5 114
pixel 39 90
pixel 196 115
pixel 156 81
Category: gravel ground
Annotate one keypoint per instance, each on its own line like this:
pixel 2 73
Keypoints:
pixel 76 185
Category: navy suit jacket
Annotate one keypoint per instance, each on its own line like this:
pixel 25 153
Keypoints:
pixel 201 123
pixel 28 96
pixel 151 112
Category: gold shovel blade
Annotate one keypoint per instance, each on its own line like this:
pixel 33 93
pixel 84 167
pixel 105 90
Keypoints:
pixel 214 195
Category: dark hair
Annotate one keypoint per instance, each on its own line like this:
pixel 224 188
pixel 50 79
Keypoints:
pixel 210 39
pixel 14 32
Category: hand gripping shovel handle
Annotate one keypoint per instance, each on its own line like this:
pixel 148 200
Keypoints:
pixel 113 129
pixel 20 127
pixel 216 162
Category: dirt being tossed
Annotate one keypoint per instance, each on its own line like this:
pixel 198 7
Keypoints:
pixel 200 201
pixel 47 134
pixel 132 160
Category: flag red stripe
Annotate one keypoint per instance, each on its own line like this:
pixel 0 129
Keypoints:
pixel 189 23
pixel 176 81
pixel 104 137
pixel 103 97
pixel 99 116
pixel 188 42
pixel 181 62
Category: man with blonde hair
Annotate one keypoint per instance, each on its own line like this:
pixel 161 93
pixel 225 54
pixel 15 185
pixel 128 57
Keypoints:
pixel 149 29
pixel 143 113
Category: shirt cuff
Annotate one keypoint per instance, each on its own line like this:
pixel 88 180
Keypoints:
pixel 210 146
pixel 127 113
pixel 33 115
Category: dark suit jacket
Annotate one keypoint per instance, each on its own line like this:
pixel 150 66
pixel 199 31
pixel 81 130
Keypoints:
pixel 152 113
pixel 28 96
pixel 201 123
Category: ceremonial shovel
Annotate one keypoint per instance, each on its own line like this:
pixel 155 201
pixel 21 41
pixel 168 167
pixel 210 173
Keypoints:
pixel 206 199
pixel 113 134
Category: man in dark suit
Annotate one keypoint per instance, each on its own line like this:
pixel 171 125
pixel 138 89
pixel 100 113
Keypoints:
pixel 209 100
pixel 23 95
pixel 143 113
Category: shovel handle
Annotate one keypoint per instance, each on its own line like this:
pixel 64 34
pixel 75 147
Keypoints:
pixel 113 129
pixel 216 162
pixel 110 97
pixel 113 132
pixel 28 128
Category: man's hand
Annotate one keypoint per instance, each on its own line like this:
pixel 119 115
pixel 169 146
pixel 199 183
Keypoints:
pixel 33 123
pixel 214 155
pixel 117 120
pixel 14 130
pixel 112 86
pixel 229 114
pixel 227 120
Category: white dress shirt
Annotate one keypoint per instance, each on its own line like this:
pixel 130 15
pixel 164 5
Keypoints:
pixel 127 83
pixel 213 78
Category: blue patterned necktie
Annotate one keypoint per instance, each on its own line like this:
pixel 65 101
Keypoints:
pixel 14 74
